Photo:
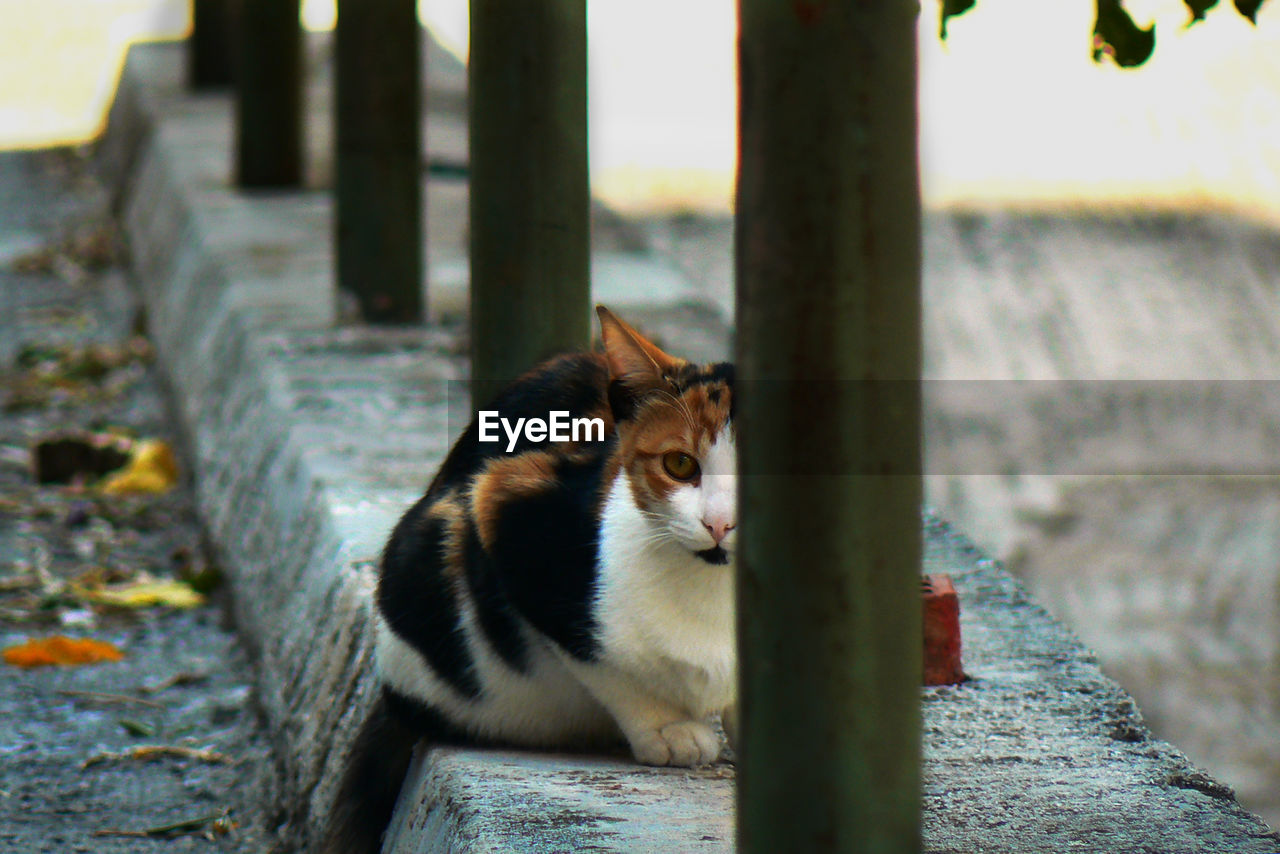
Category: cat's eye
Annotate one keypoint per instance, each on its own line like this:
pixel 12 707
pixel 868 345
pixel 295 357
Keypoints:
pixel 680 465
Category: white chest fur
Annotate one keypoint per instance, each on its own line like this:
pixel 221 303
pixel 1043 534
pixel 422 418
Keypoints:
pixel 665 615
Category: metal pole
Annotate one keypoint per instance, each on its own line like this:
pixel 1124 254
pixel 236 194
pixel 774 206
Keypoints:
pixel 828 319
pixel 210 50
pixel 269 95
pixel 378 136
pixel 530 193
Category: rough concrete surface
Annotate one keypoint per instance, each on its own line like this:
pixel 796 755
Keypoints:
pixel 1042 752
pixel 312 439
pixel 474 801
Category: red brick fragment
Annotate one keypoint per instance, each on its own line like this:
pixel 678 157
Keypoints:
pixel 941 631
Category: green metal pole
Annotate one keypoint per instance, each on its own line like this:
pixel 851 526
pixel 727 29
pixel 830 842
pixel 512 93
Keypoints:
pixel 378 136
pixel 530 193
pixel 210 50
pixel 269 95
pixel 828 320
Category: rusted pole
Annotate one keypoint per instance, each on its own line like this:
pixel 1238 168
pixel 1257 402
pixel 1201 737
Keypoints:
pixel 269 94
pixel 378 141
pixel 530 194
pixel 828 320
pixel 210 49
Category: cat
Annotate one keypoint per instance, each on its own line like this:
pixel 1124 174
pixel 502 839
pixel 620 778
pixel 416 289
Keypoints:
pixel 563 595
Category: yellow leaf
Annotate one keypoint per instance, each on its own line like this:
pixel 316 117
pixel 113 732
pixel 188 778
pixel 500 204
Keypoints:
pixel 145 594
pixel 152 469
pixel 147 752
pixel 61 650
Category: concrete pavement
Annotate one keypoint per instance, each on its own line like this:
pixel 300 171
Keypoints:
pixel 71 360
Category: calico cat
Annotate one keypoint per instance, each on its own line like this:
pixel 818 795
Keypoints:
pixel 563 595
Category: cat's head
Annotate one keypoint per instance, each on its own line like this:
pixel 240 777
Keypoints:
pixel 675 440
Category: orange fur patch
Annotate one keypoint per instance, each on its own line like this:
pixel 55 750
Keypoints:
pixel 687 422
pixel 449 510
pixel 504 479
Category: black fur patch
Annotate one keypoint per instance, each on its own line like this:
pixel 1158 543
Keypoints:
pixel 425 722
pixel 545 555
pixel 622 401
pixel 371 783
pixel 501 627
pixel 693 375
pixel 416 598
pixel 716 556
pixel 716 374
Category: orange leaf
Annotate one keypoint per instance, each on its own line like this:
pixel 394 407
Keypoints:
pixel 61 650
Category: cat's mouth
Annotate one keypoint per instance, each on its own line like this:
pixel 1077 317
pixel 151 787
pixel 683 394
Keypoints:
pixel 716 556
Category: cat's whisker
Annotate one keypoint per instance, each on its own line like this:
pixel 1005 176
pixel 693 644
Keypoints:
pixel 654 537
pixel 681 406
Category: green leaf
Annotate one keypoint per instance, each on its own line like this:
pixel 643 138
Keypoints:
pixel 952 8
pixel 1116 35
pixel 1249 8
pixel 1198 9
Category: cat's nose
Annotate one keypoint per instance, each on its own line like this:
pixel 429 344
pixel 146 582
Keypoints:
pixel 718 529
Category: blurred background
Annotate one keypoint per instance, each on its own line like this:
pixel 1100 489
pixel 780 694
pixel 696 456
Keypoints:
pixel 1084 223
pixel 1012 108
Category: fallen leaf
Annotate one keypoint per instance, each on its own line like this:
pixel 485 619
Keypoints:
pixel 153 469
pixel 147 752
pixel 110 699
pixel 144 593
pixel 217 824
pixel 137 728
pixel 177 679
pixel 62 651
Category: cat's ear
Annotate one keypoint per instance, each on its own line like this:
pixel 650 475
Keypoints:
pixel 633 359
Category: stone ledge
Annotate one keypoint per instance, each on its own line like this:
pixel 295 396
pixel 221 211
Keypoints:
pixel 477 801
pixel 303 466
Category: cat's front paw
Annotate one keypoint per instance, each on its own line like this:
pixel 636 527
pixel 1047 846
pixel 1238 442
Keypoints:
pixel 683 743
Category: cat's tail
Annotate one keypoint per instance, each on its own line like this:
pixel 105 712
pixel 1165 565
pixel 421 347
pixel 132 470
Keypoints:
pixel 376 767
